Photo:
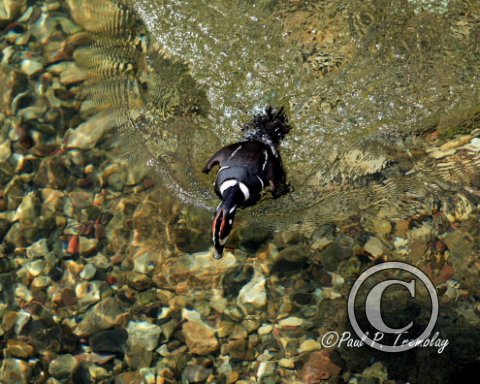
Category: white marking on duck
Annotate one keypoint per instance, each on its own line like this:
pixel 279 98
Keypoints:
pixel 221 169
pixel 261 181
pixel 227 184
pixel 245 190
pixel 265 161
pixel 274 150
pixel 235 151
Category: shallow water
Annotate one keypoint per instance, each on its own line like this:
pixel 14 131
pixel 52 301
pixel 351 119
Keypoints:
pixel 363 82
pixel 111 109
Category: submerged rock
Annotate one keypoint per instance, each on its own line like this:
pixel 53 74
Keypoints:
pixel 38 249
pixel 374 247
pixel 31 67
pixel 376 370
pixel 143 338
pixel 109 341
pixel 108 313
pixel 11 9
pixel 62 367
pixel 253 295
pixel 200 338
pixel 199 269
pixel 86 135
pixel 196 373
pixel 319 367
pixel 134 377
pixel 19 348
pixel 15 371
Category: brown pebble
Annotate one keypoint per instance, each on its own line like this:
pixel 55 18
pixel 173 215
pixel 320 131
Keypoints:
pixel 319 367
pixel 18 348
pixel 73 245
pixel 148 183
pixel 68 297
pixel 440 246
pixel 25 139
pixel 401 228
pixel 99 231
pixel 116 259
pixel 111 280
pixel 200 339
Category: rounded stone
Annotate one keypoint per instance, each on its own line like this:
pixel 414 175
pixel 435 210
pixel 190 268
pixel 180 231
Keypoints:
pixel 63 366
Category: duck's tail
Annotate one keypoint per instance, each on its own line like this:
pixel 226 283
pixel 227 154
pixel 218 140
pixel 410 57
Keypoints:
pixel 271 125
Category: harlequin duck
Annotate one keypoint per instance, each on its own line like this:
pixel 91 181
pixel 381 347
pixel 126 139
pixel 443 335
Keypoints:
pixel 246 169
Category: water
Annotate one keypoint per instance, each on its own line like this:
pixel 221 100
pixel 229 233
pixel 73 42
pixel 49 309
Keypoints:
pixel 364 82
pixel 106 215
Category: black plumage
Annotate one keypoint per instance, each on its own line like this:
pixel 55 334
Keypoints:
pixel 246 168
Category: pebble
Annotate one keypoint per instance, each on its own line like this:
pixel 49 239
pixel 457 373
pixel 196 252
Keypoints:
pixel 309 345
pixel 108 313
pixel 196 373
pixel 87 246
pixel 332 255
pixel 238 332
pixel 374 246
pixel 31 67
pixel 377 370
pixel 88 271
pixel 16 320
pixel 291 322
pixel 321 244
pixel 5 151
pixel 52 200
pixel 144 334
pixel 63 366
pixel 218 302
pixel 109 341
pixel 26 212
pixel 287 363
pixel 460 245
pixel 72 74
pixel 89 292
pixel 253 295
pixel 200 338
pixel 265 329
pixel 41 282
pixel 382 227
pixel 20 349
pixel 113 176
pixel 224 328
pixel 15 371
pixel 87 134
pixel 10 10
pixel 463 208
pixel 319 367
pixel 144 260
pixel 36 267
pixel 92 372
pixel 265 368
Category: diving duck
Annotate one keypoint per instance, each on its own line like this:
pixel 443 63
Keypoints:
pixel 246 168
